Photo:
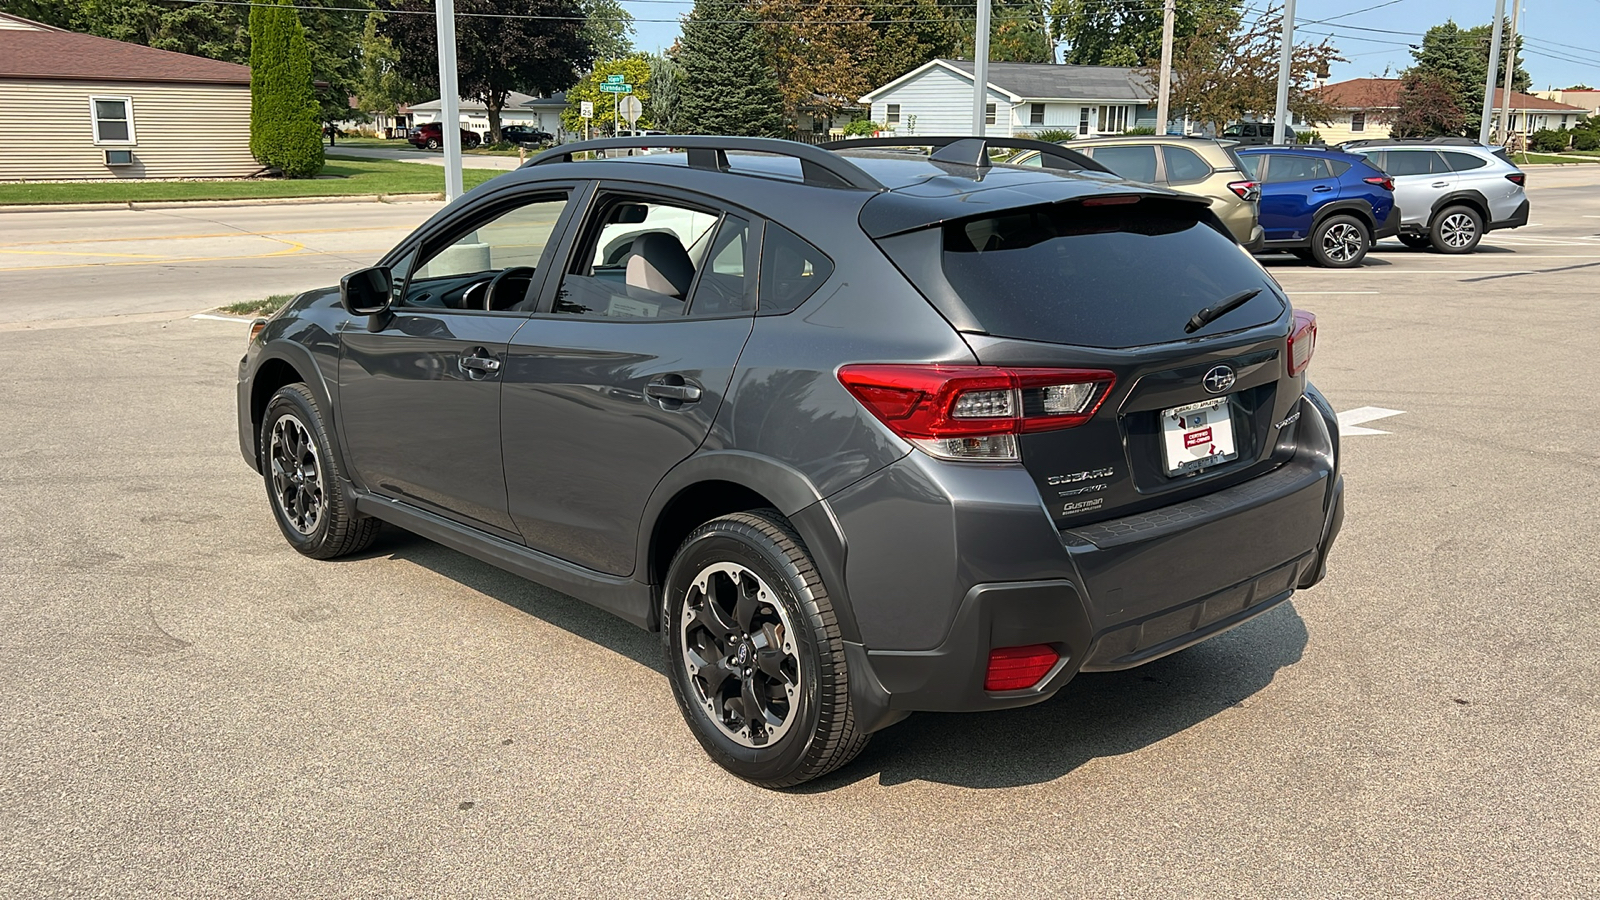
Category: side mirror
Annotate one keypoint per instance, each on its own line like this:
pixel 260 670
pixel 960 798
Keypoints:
pixel 366 292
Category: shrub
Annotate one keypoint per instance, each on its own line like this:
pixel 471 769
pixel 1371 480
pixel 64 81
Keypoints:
pixel 285 118
pixel 1586 140
pixel 1054 135
pixel 1547 141
pixel 1141 129
pixel 862 128
pixel 1308 137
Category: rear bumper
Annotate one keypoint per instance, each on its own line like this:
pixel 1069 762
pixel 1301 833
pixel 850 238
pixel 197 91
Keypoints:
pixel 1258 239
pixel 1390 226
pixel 1517 219
pixel 1109 596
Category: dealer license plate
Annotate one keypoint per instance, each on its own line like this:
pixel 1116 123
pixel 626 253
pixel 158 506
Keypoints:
pixel 1197 436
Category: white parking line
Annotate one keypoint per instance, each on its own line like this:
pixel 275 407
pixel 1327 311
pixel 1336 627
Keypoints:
pixel 221 318
pixel 1321 293
pixel 1350 420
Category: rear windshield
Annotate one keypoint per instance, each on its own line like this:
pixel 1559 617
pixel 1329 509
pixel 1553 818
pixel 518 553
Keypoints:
pixel 1109 276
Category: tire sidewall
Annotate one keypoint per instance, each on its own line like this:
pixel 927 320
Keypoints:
pixel 1322 229
pixel 729 542
pixel 1436 233
pixel 285 402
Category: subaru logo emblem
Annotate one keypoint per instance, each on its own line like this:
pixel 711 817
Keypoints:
pixel 1218 379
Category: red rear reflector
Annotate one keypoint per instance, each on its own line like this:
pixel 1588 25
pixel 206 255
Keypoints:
pixel 1112 201
pixel 1382 181
pixel 1017 668
pixel 1517 178
pixel 1244 188
pixel 1302 341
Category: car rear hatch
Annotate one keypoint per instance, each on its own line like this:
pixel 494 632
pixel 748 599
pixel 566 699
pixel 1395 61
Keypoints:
pixel 1103 289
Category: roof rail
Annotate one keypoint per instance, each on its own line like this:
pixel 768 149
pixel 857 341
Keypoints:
pixel 1449 140
pixel 974 151
pixel 817 167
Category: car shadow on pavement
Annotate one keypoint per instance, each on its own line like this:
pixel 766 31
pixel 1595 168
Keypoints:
pixel 1096 715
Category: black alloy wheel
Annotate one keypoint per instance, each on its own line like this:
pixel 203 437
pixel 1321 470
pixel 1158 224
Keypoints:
pixel 754 654
pixel 1339 242
pixel 303 477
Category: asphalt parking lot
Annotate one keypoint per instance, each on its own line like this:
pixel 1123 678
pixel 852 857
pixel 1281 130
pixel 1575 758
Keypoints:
pixel 189 708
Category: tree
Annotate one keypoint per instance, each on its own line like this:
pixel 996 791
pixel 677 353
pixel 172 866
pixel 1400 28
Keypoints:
pixel 1018 33
pixel 380 88
pixel 816 53
pixel 1226 71
pixel 1428 107
pixel 664 89
pixel 285 129
pixel 215 32
pixel 635 70
pixel 534 46
pixel 333 38
pixel 1449 58
pixel 729 86
pixel 1101 33
pixel 1482 37
pixel 608 28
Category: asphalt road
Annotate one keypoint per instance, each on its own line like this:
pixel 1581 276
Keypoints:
pixel 189 708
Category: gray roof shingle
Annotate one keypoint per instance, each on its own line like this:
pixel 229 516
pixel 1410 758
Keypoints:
pixel 1047 81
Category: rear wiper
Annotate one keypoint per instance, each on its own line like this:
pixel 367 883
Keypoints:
pixel 1212 313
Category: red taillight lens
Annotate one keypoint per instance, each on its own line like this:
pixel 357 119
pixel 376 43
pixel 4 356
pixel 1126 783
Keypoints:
pixel 975 412
pixel 1517 178
pixel 1244 188
pixel 1016 668
pixel 1382 181
pixel 1302 341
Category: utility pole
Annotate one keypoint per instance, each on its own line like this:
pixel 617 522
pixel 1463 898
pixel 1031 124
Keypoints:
pixel 1494 62
pixel 980 69
pixel 1163 101
pixel 1280 119
pixel 449 99
pixel 1511 70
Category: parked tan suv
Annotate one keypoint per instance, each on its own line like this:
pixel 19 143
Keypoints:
pixel 1202 166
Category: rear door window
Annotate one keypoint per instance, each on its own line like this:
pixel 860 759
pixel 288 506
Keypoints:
pixel 1413 162
pixel 1110 276
pixel 1289 167
pixel 1184 166
pixel 1132 163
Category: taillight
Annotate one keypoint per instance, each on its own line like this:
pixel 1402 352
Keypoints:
pixel 1016 668
pixel 1302 341
pixel 975 412
pixel 1517 178
pixel 1382 181
pixel 1244 188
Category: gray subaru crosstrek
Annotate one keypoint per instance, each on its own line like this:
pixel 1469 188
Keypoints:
pixel 859 431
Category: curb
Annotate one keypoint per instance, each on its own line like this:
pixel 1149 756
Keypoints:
pixel 243 201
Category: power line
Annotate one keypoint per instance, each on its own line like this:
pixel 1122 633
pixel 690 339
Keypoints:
pixel 526 17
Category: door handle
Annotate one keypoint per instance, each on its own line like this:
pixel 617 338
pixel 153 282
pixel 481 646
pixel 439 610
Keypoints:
pixel 1441 184
pixel 479 364
pixel 1322 189
pixel 673 389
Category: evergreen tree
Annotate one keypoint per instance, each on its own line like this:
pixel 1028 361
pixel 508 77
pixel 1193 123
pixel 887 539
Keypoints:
pixel 285 118
pixel 1450 56
pixel 728 86
pixel 665 88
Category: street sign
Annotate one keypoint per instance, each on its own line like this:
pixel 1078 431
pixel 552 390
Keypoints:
pixel 586 109
pixel 616 88
pixel 631 109
pixel 616 79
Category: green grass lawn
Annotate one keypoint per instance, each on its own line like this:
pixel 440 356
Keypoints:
pixel 266 306
pixel 1542 158
pixel 340 177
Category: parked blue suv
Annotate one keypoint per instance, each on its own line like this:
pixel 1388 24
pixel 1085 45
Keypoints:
pixel 1321 205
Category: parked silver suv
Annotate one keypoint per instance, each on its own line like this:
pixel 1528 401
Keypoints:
pixel 1450 191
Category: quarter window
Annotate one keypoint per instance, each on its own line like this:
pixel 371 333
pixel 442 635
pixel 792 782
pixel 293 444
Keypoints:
pixel 1184 166
pixel 113 120
pixel 791 270
pixel 1457 161
pixel 456 275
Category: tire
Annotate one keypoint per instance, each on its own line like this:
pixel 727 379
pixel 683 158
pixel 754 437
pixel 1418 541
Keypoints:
pixel 1416 241
pixel 1456 229
pixel 471 143
pixel 1340 242
pixel 743 588
pixel 302 478
pixel 431 144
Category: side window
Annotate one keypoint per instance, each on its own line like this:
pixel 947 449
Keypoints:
pixel 791 271
pixel 1184 165
pixel 1288 167
pixel 723 289
pixel 1338 166
pixel 113 120
pixel 457 275
pixel 1457 161
pixel 638 259
pixel 1412 162
pixel 1036 160
pixel 1132 163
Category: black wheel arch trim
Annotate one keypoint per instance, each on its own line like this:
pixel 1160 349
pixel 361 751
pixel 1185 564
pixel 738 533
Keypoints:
pixel 1360 208
pixel 299 358
pixel 789 491
pixel 1477 201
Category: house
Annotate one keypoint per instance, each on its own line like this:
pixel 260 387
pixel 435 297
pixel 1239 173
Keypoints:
pixel 74 106
pixel 1366 106
pixel 1023 98
pixel 1587 100
pixel 543 113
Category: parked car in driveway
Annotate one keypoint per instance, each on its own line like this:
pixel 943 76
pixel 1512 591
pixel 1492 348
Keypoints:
pixel 1193 165
pixel 430 136
pixel 525 134
pixel 858 432
pixel 1321 205
pixel 1254 133
pixel 1451 191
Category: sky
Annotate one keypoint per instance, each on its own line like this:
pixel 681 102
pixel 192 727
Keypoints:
pixel 1561 44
